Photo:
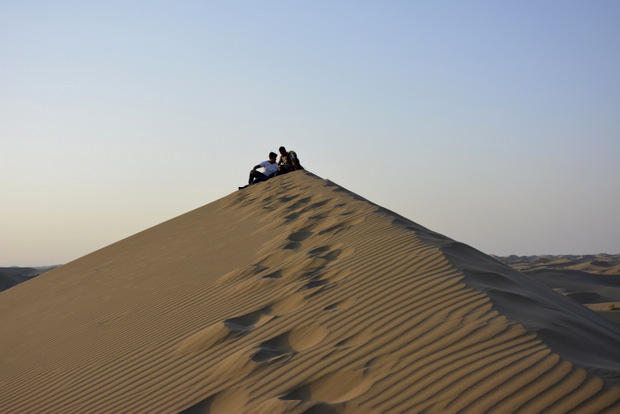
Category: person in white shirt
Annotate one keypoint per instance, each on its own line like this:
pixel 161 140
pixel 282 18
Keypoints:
pixel 270 168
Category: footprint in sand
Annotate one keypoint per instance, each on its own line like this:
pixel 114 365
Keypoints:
pixel 286 345
pixel 288 304
pixel 244 323
pixel 233 400
pixel 296 238
pixel 343 408
pixel 287 199
pixel 315 283
pixel 204 339
pixel 318 204
pixel 330 253
pixel 317 251
pixel 335 387
pixel 341 305
pixel 273 275
pixel 313 208
pixel 215 334
pixel 313 278
pixel 241 274
pixel 341 225
pixel 292 216
pixel 253 279
pixel 297 213
pixel 316 273
pixel 299 203
pixel 337 275
pixel 300 235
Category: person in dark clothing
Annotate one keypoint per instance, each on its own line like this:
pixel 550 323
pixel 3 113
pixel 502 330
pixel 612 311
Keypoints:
pixel 288 162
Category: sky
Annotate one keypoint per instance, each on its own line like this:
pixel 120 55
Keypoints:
pixel 495 123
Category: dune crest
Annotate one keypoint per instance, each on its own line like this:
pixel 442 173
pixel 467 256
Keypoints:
pixel 296 295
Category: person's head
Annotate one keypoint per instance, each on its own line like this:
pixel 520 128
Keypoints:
pixel 273 156
pixel 282 151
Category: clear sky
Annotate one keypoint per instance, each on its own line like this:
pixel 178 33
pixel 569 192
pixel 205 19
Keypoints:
pixel 496 123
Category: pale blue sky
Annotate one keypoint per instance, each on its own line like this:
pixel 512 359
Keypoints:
pixel 496 123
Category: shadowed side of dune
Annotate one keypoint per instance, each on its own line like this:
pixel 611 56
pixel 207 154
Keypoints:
pixel 571 330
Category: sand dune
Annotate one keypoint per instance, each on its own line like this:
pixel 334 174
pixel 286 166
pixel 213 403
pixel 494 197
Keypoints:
pixel 13 276
pixel 298 296
pixel 592 280
pixel 603 264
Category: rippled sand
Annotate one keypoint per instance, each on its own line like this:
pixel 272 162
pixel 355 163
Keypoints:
pixel 296 295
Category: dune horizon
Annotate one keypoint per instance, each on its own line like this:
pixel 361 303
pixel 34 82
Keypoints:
pixel 296 295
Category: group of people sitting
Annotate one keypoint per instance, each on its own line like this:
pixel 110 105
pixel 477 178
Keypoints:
pixel 288 162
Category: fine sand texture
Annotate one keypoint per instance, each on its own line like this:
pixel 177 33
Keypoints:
pixel 298 296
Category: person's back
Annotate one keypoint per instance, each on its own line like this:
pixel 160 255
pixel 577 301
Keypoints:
pixel 295 160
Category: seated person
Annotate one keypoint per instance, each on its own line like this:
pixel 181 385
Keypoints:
pixel 270 167
pixel 288 162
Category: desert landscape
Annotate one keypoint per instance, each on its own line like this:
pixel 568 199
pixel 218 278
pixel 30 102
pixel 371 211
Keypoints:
pixel 13 276
pixel 592 280
pixel 298 296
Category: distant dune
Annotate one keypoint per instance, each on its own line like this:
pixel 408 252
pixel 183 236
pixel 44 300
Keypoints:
pixel 11 276
pixel 592 280
pixel 602 264
pixel 296 295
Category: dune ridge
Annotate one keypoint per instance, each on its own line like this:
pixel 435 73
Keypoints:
pixel 296 295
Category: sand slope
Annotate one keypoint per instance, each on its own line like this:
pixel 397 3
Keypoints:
pixel 298 296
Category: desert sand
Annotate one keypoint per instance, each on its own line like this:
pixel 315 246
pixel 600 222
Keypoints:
pixel 592 280
pixel 296 295
pixel 596 264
